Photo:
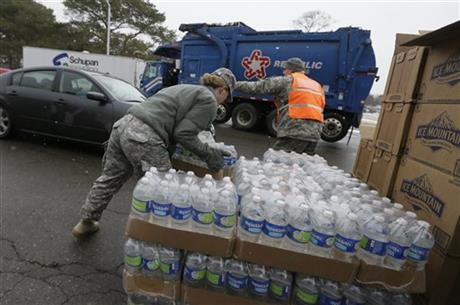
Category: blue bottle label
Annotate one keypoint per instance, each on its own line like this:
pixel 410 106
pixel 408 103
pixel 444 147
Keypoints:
pixel 418 254
pixel 274 231
pixel 161 209
pixel 251 226
pixel 325 300
pixel 280 291
pixel 205 218
pixel 321 240
pixel 194 274
pixel 259 287
pixel 180 213
pixel 299 236
pixel 396 251
pixel 150 265
pixel 373 246
pixel 237 282
pixel 224 221
pixel 169 268
pixel 344 244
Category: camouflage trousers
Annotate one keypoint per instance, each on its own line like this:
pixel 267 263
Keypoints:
pixel 298 146
pixel 133 147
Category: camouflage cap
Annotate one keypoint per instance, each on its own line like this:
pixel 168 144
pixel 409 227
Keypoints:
pixel 295 64
pixel 229 79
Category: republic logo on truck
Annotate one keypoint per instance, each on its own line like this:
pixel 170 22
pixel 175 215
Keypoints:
pixel 449 71
pixel 255 65
pixel 441 132
pixel 64 59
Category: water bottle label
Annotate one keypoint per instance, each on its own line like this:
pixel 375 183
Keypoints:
pixel 229 161
pixel 205 218
pixel 259 287
pixel 418 254
pixel 133 261
pixel 344 244
pixel 321 240
pixel 215 279
pixel 274 231
pixel 297 235
pixel 141 206
pixel 306 298
pixel 224 221
pixel 325 300
pixel 169 268
pixel 237 282
pixel 251 226
pixel 179 213
pixel 160 209
pixel 150 265
pixel 373 246
pixel 396 251
pixel 281 292
pixel 194 275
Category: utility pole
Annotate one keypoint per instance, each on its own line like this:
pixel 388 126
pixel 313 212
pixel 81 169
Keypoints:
pixel 108 25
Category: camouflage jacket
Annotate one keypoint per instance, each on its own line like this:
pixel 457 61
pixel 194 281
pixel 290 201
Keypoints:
pixel 279 86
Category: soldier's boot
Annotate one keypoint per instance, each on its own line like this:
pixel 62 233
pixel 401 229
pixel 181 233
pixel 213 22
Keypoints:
pixel 85 227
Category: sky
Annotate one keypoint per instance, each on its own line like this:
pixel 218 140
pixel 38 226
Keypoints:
pixel 383 18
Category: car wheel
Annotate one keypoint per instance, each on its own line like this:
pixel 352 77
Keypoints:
pixel 335 127
pixel 245 116
pixel 223 114
pixel 6 126
pixel 271 124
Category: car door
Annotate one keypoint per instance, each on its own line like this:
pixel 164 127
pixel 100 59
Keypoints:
pixel 74 115
pixel 29 95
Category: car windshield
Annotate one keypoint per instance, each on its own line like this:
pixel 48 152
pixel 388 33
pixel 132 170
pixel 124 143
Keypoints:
pixel 120 89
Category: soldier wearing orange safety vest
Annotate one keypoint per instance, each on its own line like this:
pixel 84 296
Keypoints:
pixel 301 108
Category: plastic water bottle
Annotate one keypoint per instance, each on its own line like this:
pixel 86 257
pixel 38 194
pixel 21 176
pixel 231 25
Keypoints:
pixel 376 297
pixel 373 244
pixel 422 245
pixel 161 204
pixel 181 208
pixel 237 277
pixel 410 217
pixel 169 263
pixel 305 291
pixel 398 245
pixel 259 281
pixel 330 294
pixel 142 194
pixel 251 220
pixel 323 233
pixel 195 270
pixel 133 256
pixel 364 215
pixel 225 215
pixel 150 261
pixel 401 299
pixel 202 212
pixel 280 285
pixel 299 226
pixel 347 237
pixel 398 209
pixel 243 188
pixel 354 295
pixel 275 224
pixel 215 273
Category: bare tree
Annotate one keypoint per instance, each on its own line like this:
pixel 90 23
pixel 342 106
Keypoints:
pixel 314 21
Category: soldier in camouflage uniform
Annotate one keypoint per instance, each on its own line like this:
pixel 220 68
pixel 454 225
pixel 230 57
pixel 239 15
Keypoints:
pixel 299 135
pixel 141 138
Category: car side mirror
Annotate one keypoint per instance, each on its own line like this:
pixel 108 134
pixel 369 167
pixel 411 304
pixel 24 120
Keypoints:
pixel 97 96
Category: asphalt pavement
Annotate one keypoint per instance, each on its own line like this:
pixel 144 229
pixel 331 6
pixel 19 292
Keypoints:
pixel 43 183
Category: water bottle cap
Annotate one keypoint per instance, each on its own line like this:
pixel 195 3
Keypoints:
pixel 153 169
pixel 386 200
pixel 379 218
pixel 411 215
pixel 256 198
pixel 207 176
pixel 328 213
pixel 398 206
pixel 423 224
pixel 184 187
pixel 374 192
pixel 172 171
pixel 164 183
pixel 352 216
pixel 388 211
pixel 280 201
pixel 227 179
pixel 402 221
pixel 148 175
pixel 190 173
pixel 144 180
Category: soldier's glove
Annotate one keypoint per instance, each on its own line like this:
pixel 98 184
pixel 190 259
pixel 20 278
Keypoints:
pixel 215 159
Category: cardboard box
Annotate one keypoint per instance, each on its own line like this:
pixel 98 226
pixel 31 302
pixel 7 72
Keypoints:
pixel 392 126
pixel 198 170
pixel 363 159
pixel 382 172
pixel 133 283
pixel 434 197
pixel 179 239
pixel 401 39
pixel 443 279
pixel 199 296
pixel 434 136
pixel 404 76
pixel 367 129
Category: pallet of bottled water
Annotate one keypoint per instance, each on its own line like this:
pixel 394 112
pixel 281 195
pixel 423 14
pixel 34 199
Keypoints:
pixel 183 211
pixel 299 213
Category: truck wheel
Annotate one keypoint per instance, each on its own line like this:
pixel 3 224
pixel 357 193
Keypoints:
pixel 245 116
pixel 271 124
pixel 223 114
pixel 335 127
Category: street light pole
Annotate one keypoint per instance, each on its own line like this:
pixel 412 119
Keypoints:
pixel 108 25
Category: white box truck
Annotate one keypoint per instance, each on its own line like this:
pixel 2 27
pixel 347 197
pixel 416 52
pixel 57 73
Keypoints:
pixel 126 68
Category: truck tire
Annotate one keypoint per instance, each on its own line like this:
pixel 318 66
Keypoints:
pixel 245 116
pixel 335 127
pixel 271 124
pixel 223 114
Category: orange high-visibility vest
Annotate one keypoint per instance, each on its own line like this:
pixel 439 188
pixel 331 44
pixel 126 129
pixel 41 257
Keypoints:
pixel 306 98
